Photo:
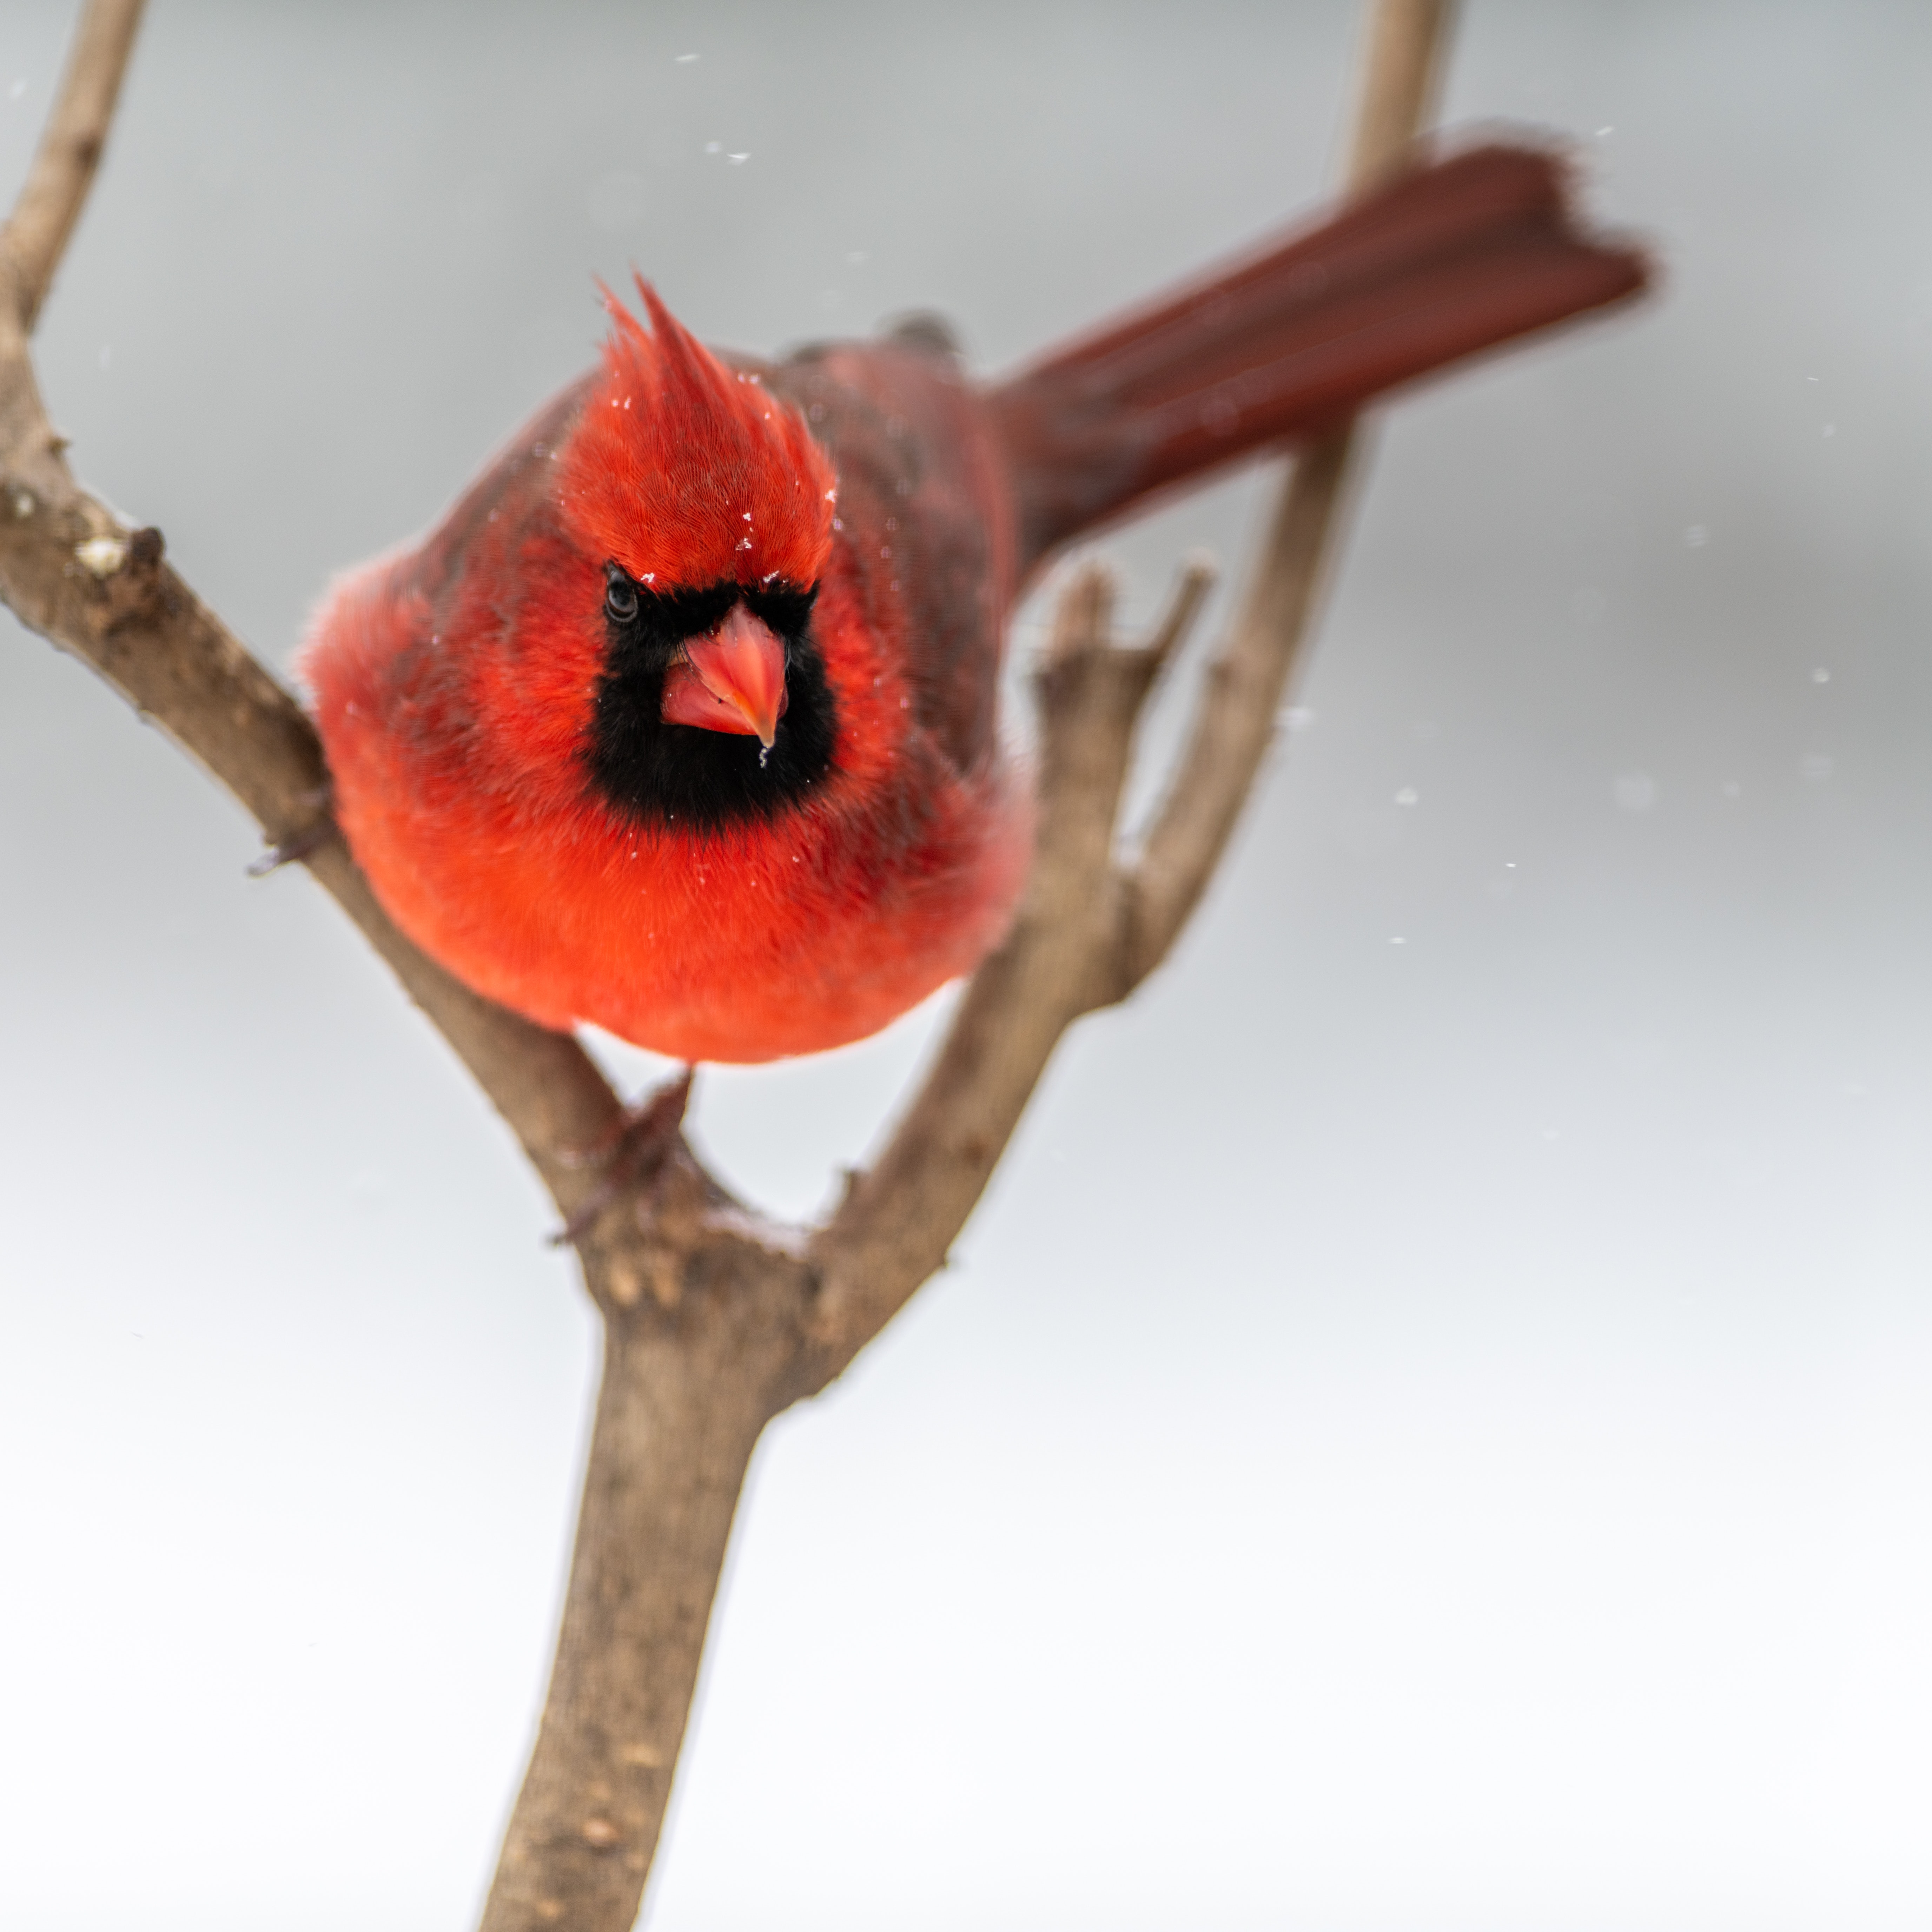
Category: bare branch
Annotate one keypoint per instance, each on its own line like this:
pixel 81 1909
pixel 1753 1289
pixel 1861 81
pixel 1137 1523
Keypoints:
pixel 1401 72
pixel 1197 578
pixel 73 571
pixel 1236 722
pixel 897 1222
pixel 684 1397
pixel 36 234
pixel 1086 934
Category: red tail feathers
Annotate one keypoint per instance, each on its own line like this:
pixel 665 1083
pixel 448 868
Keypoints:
pixel 1448 260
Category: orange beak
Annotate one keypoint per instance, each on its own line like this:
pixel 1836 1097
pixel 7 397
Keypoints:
pixel 733 680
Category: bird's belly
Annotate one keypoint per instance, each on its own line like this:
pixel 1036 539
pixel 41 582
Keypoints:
pixel 744 944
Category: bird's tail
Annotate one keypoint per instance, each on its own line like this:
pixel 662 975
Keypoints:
pixel 1447 260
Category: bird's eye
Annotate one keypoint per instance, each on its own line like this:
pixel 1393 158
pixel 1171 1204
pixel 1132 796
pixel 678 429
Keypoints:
pixel 620 598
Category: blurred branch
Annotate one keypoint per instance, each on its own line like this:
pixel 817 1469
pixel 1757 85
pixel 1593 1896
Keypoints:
pixel 1236 722
pixel 35 236
pixel 898 1221
pixel 1402 74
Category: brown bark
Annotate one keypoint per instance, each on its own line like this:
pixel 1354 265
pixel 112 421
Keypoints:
pixel 685 1392
pixel 70 151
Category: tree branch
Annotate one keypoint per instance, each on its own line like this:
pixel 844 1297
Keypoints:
pixel 1237 720
pixel 715 1321
pixel 1401 73
pixel 35 236
pixel 71 570
pixel 1089 931
pixel 1239 702
pixel 897 1221
pixel 679 1411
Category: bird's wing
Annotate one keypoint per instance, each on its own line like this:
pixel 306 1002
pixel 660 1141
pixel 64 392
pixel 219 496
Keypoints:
pixel 923 503
pixel 514 478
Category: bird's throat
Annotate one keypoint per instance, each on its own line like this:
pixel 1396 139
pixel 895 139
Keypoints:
pixel 692 685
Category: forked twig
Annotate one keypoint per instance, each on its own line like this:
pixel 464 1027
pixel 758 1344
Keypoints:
pixel 1091 930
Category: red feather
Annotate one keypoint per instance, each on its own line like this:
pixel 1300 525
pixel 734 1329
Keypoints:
pixel 682 469
pixel 530 811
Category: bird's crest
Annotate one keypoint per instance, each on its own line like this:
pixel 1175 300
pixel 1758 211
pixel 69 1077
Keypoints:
pixel 689 473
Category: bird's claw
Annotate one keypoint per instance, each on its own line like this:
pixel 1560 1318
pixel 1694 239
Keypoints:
pixel 633 1155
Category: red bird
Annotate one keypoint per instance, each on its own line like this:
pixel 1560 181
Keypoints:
pixel 684 720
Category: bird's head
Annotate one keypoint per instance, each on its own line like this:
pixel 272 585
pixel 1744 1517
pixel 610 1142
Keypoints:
pixel 707 509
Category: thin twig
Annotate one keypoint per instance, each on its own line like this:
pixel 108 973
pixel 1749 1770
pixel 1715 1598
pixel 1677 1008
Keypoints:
pixel 36 234
pixel 1401 72
pixel 898 1221
pixel 1190 593
pixel 1086 934
pixel 1236 722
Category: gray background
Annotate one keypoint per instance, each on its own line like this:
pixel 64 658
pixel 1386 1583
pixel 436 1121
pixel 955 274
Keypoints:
pixel 1421 1434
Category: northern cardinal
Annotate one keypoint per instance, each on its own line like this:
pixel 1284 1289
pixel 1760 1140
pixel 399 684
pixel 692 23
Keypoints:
pixel 683 721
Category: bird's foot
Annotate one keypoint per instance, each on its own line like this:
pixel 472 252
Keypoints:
pixel 633 1155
